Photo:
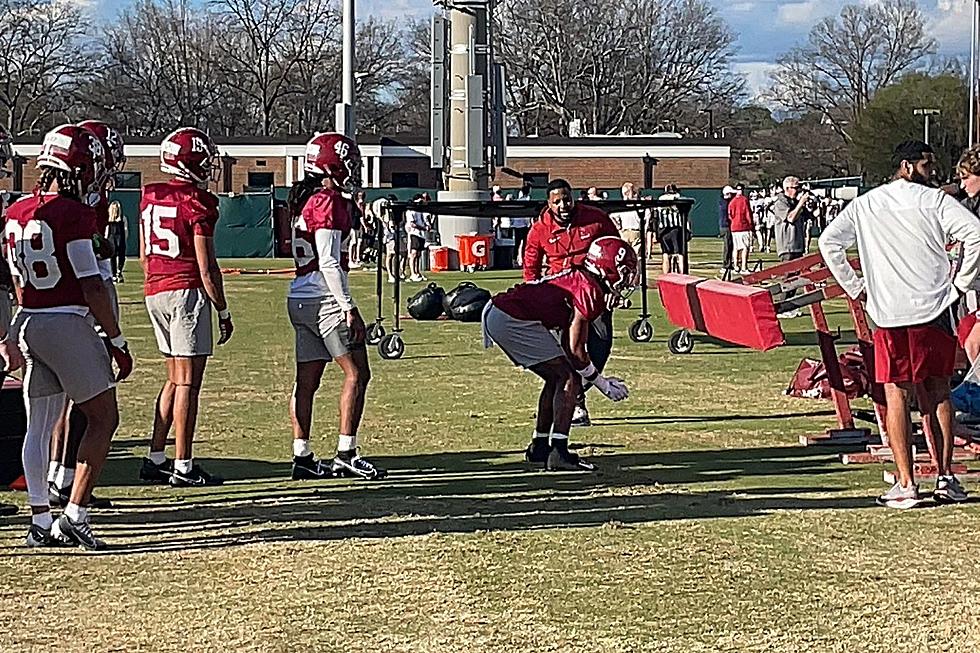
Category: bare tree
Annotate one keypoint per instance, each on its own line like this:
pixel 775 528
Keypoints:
pixel 617 66
pixel 849 58
pixel 45 54
pixel 160 68
pixel 264 42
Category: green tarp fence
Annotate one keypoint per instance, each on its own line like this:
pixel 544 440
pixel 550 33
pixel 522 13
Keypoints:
pixel 244 228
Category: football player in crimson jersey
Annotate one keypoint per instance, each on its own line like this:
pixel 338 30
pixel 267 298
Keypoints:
pixel 328 324
pixel 521 321
pixel 10 356
pixel 556 242
pixel 48 244
pixel 183 282
pixel 68 433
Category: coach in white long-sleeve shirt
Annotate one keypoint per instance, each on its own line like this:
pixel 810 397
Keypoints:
pixel 902 230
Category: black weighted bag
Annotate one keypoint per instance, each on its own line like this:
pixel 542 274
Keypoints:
pixel 465 302
pixel 427 303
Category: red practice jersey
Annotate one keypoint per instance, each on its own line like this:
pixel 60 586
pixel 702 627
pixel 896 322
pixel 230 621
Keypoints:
pixel 171 214
pixel 326 209
pixel 552 301
pixel 564 246
pixel 37 231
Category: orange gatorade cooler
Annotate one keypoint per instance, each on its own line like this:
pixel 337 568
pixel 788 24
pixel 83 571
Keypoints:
pixel 440 259
pixel 474 251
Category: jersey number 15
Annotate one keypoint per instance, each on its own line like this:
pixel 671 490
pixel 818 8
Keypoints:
pixel 158 239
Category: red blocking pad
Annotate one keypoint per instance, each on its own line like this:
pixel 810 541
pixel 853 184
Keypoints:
pixel 743 315
pixel 678 294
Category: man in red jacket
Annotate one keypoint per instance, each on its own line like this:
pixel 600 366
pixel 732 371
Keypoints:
pixel 740 216
pixel 559 240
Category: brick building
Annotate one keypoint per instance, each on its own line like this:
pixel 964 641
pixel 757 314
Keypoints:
pixel 603 161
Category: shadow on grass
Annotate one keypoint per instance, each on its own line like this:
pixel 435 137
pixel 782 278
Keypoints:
pixel 633 420
pixel 465 492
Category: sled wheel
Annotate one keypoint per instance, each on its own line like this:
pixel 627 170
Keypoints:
pixel 375 333
pixel 391 347
pixel 641 331
pixel 681 342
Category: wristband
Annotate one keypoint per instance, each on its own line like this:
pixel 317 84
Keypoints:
pixel 119 342
pixel 589 372
pixel 224 315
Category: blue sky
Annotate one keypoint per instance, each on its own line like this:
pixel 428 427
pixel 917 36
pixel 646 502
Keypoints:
pixel 765 28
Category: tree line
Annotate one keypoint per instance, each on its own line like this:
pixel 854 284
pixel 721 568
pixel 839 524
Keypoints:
pixel 273 67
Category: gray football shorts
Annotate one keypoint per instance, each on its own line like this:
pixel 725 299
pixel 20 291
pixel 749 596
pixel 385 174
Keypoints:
pixel 63 354
pixel 182 322
pixel 321 329
pixel 525 343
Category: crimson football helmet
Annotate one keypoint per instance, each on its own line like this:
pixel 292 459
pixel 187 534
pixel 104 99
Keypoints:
pixel 190 154
pixel 335 156
pixel 614 262
pixel 112 145
pixel 76 151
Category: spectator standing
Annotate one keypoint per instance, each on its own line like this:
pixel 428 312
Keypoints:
pixel 356 234
pixel 593 194
pixel 115 233
pixel 902 230
pixel 725 229
pixel 628 222
pixel 495 194
pixel 392 237
pixel 416 226
pixel 791 216
pixel 740 217
pixel 525 193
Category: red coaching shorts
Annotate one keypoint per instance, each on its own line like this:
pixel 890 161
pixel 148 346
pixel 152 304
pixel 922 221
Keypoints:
pixel 965 327
pixel 915 353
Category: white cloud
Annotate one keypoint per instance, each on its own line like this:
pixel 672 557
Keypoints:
pixel 950 25
pixel 743 7
pixel 800 13
pixel 756 75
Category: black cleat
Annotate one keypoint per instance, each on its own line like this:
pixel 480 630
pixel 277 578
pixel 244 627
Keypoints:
pixel 150 472
pixel 77 534
pixel 7 509
pixel 61 497
pixel 356 467
pixel 537 452
pixel 38 538
pixel 308 468
pixel 566 461
pixel 196 478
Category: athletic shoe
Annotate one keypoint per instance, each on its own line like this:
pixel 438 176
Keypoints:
pixel 356 467
pixel 580 417
pixel 566 461
pixel 197 477
pixel 308 468
pixel 38 538
pixel 150 472
pixel 900 498
pixel 61 497
pixel 7 509
pixel 76 534
pixel 949 490
pixel 537 452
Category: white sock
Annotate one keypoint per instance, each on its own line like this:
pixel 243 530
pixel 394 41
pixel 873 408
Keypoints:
pixel 301 448
pixel 559 436
pixel 347 443
pixel 76 513
pixel 43 519
pixel 158 457
pixel 184 466
pixel 53 470
pixel 65 477
pixel 539 434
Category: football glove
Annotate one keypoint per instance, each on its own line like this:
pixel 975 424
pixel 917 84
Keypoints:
pixel 225 327
pixel 119 350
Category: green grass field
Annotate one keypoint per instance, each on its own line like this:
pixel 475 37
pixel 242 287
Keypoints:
pixel 708 528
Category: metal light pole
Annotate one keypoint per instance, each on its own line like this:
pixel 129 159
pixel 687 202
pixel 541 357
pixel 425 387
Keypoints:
pixel 927 114
pixel 346 122
pixel 711 120
pixel 974 51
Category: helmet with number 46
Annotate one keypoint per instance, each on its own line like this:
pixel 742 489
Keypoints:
pixel 335 156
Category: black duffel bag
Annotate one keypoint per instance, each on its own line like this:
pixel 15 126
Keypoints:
pixel 465 302
pixel 427 303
